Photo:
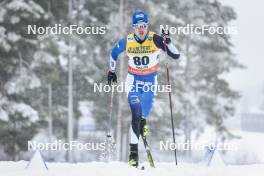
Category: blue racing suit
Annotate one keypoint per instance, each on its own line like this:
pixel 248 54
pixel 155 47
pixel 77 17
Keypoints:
pixel 143 65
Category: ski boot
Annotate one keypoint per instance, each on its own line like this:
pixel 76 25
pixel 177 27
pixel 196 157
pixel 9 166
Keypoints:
pixel 143 128
pixel 133 155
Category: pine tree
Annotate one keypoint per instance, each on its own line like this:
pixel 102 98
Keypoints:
pixel 18 116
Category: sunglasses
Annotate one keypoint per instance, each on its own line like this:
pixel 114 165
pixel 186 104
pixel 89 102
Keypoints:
pixel 140 25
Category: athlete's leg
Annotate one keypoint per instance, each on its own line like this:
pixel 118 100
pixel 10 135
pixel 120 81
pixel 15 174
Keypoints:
pixel 147 99
pixel 133 96
pixel 136 111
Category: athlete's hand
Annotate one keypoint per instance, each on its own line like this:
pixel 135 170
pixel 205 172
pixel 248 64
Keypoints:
pixel 166 37
pixel 111 77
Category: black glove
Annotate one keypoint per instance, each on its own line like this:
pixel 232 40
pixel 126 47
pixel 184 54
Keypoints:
pixel 111 77
pixel 166 37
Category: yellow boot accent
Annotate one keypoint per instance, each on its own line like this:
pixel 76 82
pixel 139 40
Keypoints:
pixel 132 163
pixel 145 130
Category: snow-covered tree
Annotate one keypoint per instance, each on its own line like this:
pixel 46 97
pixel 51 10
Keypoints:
pixel 30 63
pixel 18 115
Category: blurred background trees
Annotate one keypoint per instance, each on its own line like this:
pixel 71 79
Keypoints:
pixel 34 72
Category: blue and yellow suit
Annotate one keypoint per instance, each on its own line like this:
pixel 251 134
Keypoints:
pixel 143 66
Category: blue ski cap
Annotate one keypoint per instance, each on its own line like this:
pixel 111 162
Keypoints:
pixel 139 17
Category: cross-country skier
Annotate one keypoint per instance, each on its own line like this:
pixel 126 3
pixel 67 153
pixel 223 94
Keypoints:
pixel 142 48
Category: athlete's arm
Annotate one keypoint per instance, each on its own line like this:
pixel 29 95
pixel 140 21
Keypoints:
pixel 118 49
pixel 172 51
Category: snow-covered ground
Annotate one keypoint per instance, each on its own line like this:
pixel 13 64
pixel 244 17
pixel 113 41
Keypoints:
pixel 121 169
pixel 249 150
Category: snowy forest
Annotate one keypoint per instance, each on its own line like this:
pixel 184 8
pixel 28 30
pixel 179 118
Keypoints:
pixel 45 79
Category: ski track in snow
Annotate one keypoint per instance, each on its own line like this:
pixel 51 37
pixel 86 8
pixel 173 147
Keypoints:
pixel 121 169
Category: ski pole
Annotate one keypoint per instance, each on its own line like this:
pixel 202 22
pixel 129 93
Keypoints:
pixel 172 122
pixel 110 143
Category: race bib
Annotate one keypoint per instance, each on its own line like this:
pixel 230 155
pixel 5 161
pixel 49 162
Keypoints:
pixel 143 58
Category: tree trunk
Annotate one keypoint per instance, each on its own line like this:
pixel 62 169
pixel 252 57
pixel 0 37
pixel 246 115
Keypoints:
pixel 187 110
pixel 120 95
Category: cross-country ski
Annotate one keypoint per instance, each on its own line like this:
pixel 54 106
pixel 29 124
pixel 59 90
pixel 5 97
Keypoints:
pixel 140 88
